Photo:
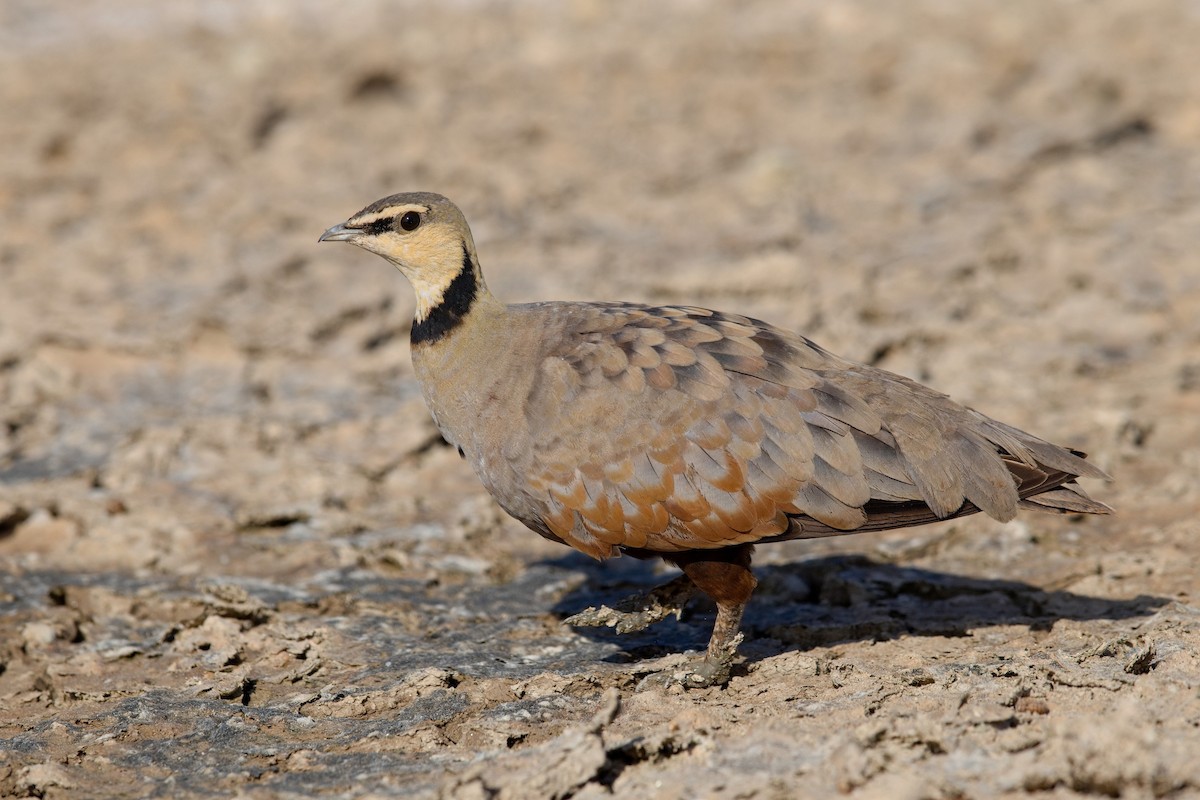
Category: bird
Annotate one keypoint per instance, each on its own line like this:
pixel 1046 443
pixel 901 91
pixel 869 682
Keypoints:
pixel 685 433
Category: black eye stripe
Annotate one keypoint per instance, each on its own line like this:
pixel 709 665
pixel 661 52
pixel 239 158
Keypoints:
pixel 379 226
pixel 409 221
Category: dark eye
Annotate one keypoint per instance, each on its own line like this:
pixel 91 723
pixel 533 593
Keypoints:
pixel 410 220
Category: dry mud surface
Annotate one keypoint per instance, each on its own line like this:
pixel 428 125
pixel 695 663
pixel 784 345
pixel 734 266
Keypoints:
pixel 236 559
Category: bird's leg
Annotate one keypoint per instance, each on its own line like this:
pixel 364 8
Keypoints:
pixel 640 611
pixel 725 576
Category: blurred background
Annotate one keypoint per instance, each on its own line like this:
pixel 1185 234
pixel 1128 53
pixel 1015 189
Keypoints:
pixel 999 199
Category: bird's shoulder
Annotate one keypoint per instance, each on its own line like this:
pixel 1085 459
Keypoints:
pixel 691 351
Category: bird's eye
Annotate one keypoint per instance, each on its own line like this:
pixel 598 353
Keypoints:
pixel 410 220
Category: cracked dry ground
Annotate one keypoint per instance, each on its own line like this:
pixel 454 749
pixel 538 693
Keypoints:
pixel 235 558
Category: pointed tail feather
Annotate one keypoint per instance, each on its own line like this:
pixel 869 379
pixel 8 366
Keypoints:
pixel 1066 499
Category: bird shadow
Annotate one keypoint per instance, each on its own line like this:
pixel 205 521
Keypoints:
pixel 831 600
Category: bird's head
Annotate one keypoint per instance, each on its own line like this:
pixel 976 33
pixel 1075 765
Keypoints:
pixel 423 234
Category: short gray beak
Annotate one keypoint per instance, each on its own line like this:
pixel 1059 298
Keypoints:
pixel 339 233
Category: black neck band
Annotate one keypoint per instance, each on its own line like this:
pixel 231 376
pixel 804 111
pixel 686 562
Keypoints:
pixel 456 302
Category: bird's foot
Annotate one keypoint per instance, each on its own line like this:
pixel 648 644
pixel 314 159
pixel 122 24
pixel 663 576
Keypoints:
pixel 640 611
pixel 711 669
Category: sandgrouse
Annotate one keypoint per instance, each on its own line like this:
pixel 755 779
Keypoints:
pixel 686 433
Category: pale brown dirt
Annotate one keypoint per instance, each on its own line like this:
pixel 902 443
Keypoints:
pixel 235 559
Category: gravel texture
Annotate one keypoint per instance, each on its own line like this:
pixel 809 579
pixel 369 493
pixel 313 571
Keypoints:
pixel 235 558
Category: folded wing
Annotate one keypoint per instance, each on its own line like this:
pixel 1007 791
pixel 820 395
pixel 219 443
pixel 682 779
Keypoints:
pixel 678 428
